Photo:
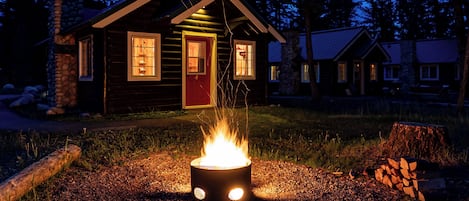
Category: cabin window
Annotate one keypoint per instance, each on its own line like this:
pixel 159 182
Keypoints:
pixel 244 62
pixel 391 72
pixel 305 72
pixel 144 56
pixel 429 72
pixel 85 58
pixel 342 72
pixel 274 73
pixel 196 57
pixel 373 72
pixel 457 72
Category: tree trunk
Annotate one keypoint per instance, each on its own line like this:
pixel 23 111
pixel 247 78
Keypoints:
pixel 18 185
pixel 419 140
pixel 464 80
pixel 463 54
pixel 315 95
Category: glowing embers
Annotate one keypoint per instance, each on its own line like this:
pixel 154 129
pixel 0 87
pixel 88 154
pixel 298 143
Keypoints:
pixel 224 170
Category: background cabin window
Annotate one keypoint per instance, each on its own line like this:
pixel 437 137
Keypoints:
pixel 373 72
pixel 391 72
pixel 245 64
pixel 85 57
pixel 274 73
pixel 342 72
pixel 305 72
pixel 457 72
pixel 196 57
pixel 144 56
pixel 429 72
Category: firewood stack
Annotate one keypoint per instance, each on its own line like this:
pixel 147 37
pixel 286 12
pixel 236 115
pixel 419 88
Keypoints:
pixel 403 174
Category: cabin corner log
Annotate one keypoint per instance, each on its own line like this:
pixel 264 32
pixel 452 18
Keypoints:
pixel 416 139
pixel 16 186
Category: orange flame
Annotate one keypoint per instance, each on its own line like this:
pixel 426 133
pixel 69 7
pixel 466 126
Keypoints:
pixel 222 148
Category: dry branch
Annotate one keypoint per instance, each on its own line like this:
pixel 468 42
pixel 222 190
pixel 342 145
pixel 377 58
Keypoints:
pixel 18 185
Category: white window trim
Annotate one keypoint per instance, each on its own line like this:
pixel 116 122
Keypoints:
pixel 157 37
pixel 338 72
pixel 392 67
pixel 253 76
pixel 89 75
pixel 430 66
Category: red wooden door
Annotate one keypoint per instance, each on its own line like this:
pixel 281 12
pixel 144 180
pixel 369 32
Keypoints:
pixel 198 70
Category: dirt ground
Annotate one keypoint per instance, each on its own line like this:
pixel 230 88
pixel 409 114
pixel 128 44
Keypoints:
pixel 166 176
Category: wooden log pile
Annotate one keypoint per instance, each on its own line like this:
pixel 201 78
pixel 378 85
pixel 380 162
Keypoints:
pixel 404 174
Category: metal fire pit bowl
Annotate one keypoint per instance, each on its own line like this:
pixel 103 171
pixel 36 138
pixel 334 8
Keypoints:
pixel 220 184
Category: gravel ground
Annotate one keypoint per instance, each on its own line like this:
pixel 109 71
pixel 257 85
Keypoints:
pixel 161 176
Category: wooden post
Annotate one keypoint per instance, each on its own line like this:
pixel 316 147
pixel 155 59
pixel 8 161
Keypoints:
pixel 18 185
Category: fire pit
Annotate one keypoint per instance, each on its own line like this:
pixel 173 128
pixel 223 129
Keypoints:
pixel 220 184
pixel 223 172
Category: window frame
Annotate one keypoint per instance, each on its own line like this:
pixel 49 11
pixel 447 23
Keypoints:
pixel 392 68
pixel 275 73
pixel 201 57
pixel 305 75
pixel 157 56
pixel 85 73
pixel 342 78
pixel 253 60
pixel 457 72
pixel 429 66
pixel 373 71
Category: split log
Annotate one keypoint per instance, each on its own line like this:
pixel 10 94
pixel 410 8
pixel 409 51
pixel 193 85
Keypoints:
pixel 394 163
pixel 408 163
pixel 418 140
pixel 379 173
pixel 387 181
pixel 421 197
pixel 406 182
pixel 409 190
pixel 406 174
pixel 18 185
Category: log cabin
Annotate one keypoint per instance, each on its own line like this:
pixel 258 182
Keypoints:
pixel 147 55
pixel 347 62
pixel 422 67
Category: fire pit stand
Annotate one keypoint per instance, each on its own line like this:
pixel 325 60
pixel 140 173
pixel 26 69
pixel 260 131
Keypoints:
pixel 220 184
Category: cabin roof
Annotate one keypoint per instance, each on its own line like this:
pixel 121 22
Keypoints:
pixel 180 11
pixel 394 51
pixel 437 51
pixel 428 51
pixel 330 44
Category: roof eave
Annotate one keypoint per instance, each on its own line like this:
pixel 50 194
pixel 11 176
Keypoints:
pixel 372 47
pixel 117 12
pixel 191 10
pixel 349 44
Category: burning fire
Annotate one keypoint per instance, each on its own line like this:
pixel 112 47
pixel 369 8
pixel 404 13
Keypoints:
pixel 222 148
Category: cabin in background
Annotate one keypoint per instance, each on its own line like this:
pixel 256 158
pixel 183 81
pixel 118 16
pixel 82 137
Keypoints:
pixel 146 55
pixel 422 66
pixel 347 61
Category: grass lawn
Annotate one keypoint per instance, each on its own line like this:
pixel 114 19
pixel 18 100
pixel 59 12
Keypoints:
pixel 334 140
